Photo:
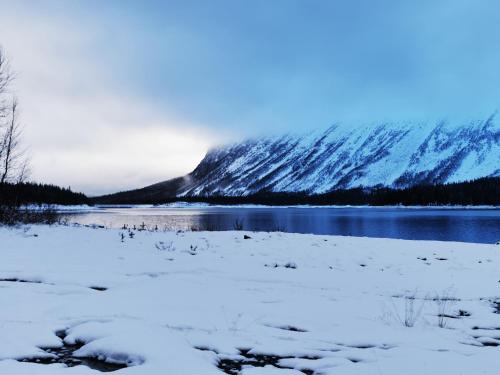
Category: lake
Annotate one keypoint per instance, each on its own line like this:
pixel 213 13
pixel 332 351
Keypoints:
pixel 466 225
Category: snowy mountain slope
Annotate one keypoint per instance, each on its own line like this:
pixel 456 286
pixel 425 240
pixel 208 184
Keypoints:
pixel 395 155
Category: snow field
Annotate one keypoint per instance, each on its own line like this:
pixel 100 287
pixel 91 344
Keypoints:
pixel 204 302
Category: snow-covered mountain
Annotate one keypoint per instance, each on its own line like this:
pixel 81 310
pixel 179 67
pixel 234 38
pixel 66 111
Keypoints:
pixel 394 155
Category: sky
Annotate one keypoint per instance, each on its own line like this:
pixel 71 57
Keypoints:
pixel 121 94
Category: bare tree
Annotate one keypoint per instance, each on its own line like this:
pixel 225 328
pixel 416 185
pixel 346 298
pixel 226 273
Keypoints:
pixel 13 163
pixel 11 154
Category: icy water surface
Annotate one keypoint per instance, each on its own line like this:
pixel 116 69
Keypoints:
pixel 467 225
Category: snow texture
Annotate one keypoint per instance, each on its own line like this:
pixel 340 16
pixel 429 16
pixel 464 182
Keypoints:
pixel 186 303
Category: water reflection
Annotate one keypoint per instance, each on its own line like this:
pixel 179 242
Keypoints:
pixel 477 225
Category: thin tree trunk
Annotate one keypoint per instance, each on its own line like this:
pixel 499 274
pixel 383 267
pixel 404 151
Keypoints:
pixel 10 143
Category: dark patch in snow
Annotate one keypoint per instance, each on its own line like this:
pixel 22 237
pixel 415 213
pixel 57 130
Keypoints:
pixel 486 328
pixel 354 360
pixel 16 280
pixel 386 346
pixel 291 265
pixel 488 341
pixel 65 355
pixel 246 237
pixel 449 316
pixel 330 350
pixel 362 346
pixel 368 346
pixel 206 349
pixel 288 328
pixel 246 358
pixel 491 343
pixel 98 288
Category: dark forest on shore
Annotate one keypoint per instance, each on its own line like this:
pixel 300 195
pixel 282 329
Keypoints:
pixel 15 197
pixel 24 193
pixel 483 191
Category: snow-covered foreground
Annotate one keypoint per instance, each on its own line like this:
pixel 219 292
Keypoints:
pixel 198 302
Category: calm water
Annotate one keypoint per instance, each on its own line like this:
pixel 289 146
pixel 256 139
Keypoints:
pixel 467 225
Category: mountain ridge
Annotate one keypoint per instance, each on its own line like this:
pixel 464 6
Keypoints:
pixel 386 155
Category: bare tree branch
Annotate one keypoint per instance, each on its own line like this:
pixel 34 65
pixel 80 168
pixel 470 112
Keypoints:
pixel 6 77
pixel 24 171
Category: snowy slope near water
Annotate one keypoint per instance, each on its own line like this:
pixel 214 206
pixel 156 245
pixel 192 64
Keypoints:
pixel 190 303
pixel 395 155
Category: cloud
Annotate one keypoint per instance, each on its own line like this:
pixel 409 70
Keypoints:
pixel 83 129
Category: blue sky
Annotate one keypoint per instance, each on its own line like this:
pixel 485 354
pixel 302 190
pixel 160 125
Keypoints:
pixel 221 70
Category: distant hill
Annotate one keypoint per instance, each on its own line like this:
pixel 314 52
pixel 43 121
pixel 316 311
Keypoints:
pixel 396 156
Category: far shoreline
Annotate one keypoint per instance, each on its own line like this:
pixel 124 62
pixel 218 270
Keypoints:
pixel 193 205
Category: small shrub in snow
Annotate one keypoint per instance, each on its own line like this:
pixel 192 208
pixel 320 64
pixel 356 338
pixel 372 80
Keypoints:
pixel 192 250
pixel 443 304
pixel 412 310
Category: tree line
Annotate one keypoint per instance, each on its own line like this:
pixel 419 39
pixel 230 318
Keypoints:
pixel 23 193
pixel 482 191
